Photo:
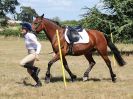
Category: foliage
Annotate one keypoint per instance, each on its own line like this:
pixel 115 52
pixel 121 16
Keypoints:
pixel 17 33
pixel 3 22
pixel 42 36
pixel 7 6
pixel 119 21
pixel 70 23
pixel 56 19
pixel 26 14
pixel 124 12
pixel 10 32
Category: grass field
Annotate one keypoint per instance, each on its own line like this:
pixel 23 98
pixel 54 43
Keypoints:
pixel 12 50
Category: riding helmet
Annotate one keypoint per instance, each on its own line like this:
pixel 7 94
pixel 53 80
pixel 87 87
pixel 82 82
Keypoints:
pixel 26 25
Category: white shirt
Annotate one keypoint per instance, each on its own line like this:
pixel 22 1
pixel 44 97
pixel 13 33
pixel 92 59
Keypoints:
pixel 32 43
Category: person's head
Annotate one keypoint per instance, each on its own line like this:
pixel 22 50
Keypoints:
pixel 26 27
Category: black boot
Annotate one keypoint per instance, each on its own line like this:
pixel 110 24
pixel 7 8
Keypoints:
pixel 35 70
pixel 39 84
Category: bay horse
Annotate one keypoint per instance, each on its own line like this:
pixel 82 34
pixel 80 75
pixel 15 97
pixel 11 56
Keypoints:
pixel 98 41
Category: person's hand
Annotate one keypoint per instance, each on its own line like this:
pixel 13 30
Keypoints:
pixel 37 57
pixel 54 54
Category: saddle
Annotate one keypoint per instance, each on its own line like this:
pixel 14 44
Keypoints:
pixel 73 34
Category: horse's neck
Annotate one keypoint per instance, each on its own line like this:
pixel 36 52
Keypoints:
pixel 51 28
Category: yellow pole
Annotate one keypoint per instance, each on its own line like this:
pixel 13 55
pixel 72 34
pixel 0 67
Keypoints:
pixel 64 77
pixel 113 54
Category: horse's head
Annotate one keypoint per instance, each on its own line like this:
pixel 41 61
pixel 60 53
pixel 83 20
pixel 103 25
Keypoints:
pixel 37 24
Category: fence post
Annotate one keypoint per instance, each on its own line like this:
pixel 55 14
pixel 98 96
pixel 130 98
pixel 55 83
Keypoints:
pixel 58 38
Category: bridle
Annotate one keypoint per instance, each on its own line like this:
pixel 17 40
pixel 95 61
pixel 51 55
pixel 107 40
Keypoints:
pixel 37 25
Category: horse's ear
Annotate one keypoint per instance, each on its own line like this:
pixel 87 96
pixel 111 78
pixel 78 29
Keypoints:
pixel 42 16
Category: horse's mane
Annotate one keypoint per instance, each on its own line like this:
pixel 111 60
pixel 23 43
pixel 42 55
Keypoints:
pixel 56 22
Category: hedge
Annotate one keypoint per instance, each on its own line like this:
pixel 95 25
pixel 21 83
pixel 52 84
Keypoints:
pixel 17 33
pixel 42 36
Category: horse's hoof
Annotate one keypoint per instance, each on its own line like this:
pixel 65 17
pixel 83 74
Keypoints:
pixel 74 77
pixel 47 80
pixel 114 80
pixel 85 79
pixel 114 75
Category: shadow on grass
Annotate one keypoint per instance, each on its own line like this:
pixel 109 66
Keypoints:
pixel 25 83
pixel 55 79
pixel 106 79
pixel 60 79
pixel 80 79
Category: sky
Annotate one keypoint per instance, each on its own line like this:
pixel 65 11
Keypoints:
pixel 64 9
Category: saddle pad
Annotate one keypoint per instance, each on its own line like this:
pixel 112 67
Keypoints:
pixel 84 37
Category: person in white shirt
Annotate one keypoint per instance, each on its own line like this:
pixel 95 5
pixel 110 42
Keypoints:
pixel 34 48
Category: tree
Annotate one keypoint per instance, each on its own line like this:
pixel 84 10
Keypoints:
pixel 70 23
pixel 90 19
pixel 56 19
pixel 26 14
pixel 66 22
pixel 118 20
pixel 123 9
pixel 7 6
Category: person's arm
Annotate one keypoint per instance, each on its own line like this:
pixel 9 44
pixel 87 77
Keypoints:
pixel 38 47
pixel 34 39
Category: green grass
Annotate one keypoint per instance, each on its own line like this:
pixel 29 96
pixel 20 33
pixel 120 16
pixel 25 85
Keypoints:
pixel 12 50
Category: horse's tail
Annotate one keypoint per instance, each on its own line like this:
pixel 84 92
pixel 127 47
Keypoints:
pixel 115 51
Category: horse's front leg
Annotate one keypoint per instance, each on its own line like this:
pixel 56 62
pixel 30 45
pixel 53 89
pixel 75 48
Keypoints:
pixel 53 60
pixel 73 77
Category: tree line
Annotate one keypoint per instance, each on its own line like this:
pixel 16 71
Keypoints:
pixel 118 18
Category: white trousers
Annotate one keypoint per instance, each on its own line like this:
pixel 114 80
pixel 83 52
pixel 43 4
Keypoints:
pixel 29 59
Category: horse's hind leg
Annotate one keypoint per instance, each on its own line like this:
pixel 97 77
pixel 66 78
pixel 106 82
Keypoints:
pixel 91 64
pixel 103 53
pixel 73 77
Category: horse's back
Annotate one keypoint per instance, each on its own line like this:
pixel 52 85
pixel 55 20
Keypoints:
pixel 97 37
